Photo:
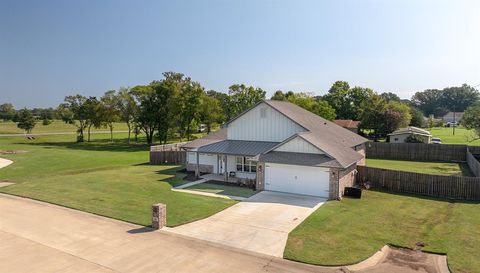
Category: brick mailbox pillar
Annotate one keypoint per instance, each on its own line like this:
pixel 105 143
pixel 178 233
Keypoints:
pixel 159 215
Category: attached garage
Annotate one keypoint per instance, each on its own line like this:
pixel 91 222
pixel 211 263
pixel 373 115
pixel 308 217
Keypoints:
pixel 297 179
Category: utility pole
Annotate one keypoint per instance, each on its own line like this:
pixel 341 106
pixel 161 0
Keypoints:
pixel 454 121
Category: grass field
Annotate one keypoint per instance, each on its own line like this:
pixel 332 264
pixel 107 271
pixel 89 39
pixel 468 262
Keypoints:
pixel 223 189
pixel 56 126
pixel 350 231
pixel 437 168
pixel 460 137
pixel 113 180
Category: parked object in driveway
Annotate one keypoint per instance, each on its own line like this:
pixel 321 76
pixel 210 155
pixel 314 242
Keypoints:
pixel 353 192
pixel 436 140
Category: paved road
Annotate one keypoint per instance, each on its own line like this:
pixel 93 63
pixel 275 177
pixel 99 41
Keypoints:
pixel 39 237
pixel 58 133
pixel 261 223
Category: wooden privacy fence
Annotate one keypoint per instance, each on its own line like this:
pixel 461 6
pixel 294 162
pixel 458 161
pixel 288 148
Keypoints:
pixel 417 151
pixel 167 154
pixel 473 162
pixel 452 187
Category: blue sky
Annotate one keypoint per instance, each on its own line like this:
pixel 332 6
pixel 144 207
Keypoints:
pixel 49 49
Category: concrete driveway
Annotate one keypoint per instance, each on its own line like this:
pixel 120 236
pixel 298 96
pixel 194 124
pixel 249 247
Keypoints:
pixel 261 223
pixel 40 237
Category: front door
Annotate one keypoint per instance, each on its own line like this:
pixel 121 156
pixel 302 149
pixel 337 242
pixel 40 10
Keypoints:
pixel 221 163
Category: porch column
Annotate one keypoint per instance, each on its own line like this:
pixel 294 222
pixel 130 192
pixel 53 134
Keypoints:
pixel 226 169
pixel 197 166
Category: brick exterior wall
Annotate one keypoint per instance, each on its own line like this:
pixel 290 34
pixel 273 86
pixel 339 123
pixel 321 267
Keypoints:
pixel 341 178
pixel 361 149
pixel 260 176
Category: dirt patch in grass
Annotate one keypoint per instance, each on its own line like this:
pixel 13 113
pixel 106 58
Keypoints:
pixel 11 152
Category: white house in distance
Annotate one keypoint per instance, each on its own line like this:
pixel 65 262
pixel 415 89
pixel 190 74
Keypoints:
pixel 282 147
pixel 401 135
pixel 452 117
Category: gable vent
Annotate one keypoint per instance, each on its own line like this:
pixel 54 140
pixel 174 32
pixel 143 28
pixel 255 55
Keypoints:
pixel 263 112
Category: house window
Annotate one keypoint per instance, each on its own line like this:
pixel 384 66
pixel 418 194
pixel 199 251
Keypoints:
pixel 245 165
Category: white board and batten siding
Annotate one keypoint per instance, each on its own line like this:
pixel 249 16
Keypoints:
pixel 297 179
pixel 299 145
pixel 205 159
pixel 263 123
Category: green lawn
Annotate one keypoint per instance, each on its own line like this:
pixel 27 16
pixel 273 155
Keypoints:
pixel 223 189
pixel 9 127
pixel 113 180
pixel 350 231
pixel 437 168
pixel 460 137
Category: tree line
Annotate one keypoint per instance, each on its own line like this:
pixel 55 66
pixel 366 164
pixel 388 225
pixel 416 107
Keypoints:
pixel 176 105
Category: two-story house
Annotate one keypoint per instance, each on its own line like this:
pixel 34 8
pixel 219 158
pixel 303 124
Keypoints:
pixel 284 148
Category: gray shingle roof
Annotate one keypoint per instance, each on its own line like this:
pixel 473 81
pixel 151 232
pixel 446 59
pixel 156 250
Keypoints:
pixel 238 147
pixel 303 159
pixel 325 135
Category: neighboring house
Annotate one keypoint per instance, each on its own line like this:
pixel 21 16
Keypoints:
pixel 400 135
pixel 349 124
pixel 282 147
pixel 452 117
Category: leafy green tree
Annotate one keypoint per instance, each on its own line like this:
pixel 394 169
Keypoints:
pixel 109 110
pixel 404 111
pixel 243 97
pixel 93 108
pixel 26 120
pixel 431 122
pixel 372 110
pixel 471 120
pixel 439 102
pixel 7 111
pixel 278 95
pixel 389 96
pixel 147 116
pixel 73 111
pixel 211 111
pixel 418 119
pixel 128 108
pixel 347 101
pixel 224 100
pixel 189 99
pixel 309 102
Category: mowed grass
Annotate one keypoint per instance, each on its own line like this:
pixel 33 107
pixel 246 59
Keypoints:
pixel 352 230
pixel 9 127
pixel 461 136
pixel 436 168
pixel 223 189
pixel 113 180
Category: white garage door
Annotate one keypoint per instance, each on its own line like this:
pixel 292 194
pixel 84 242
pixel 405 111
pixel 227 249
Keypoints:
pixel 297 179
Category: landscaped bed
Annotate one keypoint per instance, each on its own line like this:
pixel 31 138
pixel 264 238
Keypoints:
pixel 350 231
pixel 436 168
pixel 113 180
pixel 223 189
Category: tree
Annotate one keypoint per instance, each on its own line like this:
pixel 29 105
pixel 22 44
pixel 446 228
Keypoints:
pixel 389 96
pixel 7 111
pixel 189 100
pixel 25 120
pixel 347 101
pixel 430 122
pixel 309 102
pixel 109 111
pixel 278 95
pixel 418 119
pixel 403 110
pixel 243 97
pixel 147 114
pixel 94 117
pixel 127 107
pixel 372 110
pixel 73 111
pixel 471 120
pixel 224 100
pixel 439 102
pixel 211 111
